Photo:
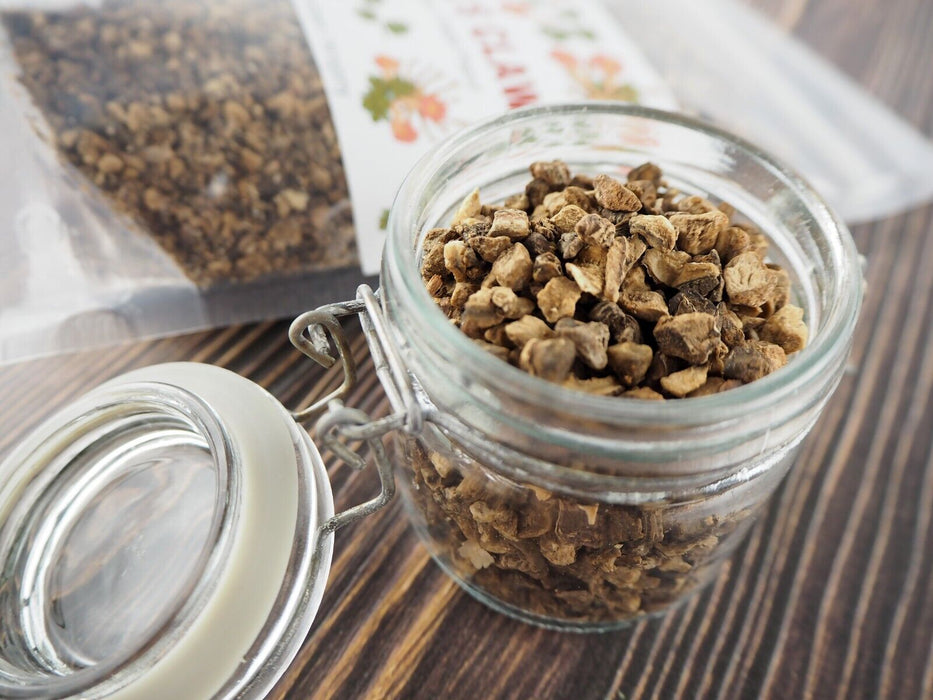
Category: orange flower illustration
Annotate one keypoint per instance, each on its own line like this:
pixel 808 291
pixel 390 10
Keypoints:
pixel 401 101
pixel 599 76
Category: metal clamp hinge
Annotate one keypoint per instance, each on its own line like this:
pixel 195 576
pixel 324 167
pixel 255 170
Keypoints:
pixel 312 333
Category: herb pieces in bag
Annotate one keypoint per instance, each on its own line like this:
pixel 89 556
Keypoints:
pixel 617 288
pixel 206 122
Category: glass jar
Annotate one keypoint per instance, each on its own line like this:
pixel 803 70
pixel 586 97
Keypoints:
pixel 579 511
pixel 170 534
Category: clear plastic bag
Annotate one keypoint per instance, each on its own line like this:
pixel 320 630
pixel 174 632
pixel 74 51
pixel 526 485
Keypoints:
pixel 729 65
pixel 174 166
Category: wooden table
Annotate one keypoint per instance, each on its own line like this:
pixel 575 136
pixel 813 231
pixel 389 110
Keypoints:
pixel 831 596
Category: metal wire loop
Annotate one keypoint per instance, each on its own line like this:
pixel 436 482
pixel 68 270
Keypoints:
pixel 313 333
pixel 341 420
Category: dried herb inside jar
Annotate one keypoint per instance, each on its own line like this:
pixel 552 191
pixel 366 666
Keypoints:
pixel 613 287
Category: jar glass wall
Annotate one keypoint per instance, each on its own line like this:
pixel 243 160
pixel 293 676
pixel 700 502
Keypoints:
pixel 580 511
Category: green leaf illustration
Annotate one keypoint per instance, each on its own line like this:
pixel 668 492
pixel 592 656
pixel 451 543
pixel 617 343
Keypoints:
pixel 382 93
pixel 399 87
pixel 397 27
pixel 384 220
pixel 376 101
pixel 366 13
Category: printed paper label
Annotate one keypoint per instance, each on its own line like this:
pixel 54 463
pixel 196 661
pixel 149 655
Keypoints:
pixel 402 74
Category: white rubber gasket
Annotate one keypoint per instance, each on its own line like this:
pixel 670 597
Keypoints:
pixel 210 651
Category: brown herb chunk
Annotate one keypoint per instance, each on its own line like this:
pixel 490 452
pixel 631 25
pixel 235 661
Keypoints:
pixel 658 231
pixel 786 328
pixel 589 278
pixel 591 340
pixel 461 261
pixel 469 208
pixel 546 267
pixel 510 304
pixel 510 222
pixel 622 327
pixel 554 172
pixel 689 302
pixel 681 383
pixel 697 233
pixel 570 245
pixel 692 337
pixel 647 306
pixel 630 361
pixel 513 268
pixel 753 361
pixel 489 248
pixel 643 392
pixel 694 204
pixel 646 171
pixel 558 299
pixel 597 229
pixel 549 358
pixel 526 328
pixel 645 190
pixel 613 195
pixel 567 218
pixel 748 281
pixel 665 266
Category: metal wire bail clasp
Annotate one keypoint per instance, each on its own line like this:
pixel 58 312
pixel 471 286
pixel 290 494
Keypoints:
pixel 312 333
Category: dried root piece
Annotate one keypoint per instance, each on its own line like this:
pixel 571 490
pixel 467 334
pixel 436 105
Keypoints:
pixel 591 340
pixel 546 267
pixel 613 195
pixel 622 327
pixel 527 328
pixel 597 229
pixel 630 361
pixel 510 222
pixel 753 361
pixel 748 282
pixel 681 383
pixel 513 268
pixel 658 231
pixel 568 217
pixel 647 306
pixel 786 328
pixel 697 233
pixel 691 337
pixel 549 359
pixel 553 172
pixel 558 299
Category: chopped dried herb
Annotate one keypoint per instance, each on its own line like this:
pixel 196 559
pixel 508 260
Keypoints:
pixel 554 555
pixel 661 294
pixel 205 122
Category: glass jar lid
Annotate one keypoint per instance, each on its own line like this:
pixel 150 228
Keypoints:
pixel 161 537
pixel 170 533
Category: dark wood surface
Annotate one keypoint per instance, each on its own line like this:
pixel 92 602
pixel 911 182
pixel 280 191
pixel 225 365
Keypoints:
pixel 831 596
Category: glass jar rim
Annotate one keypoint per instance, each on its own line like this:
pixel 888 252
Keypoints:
pixel 826 346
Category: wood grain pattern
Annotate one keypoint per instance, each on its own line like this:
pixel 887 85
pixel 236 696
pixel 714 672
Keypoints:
pixel 831 596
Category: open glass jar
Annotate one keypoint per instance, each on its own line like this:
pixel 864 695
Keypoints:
pixel 579 511
pixel 188 503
